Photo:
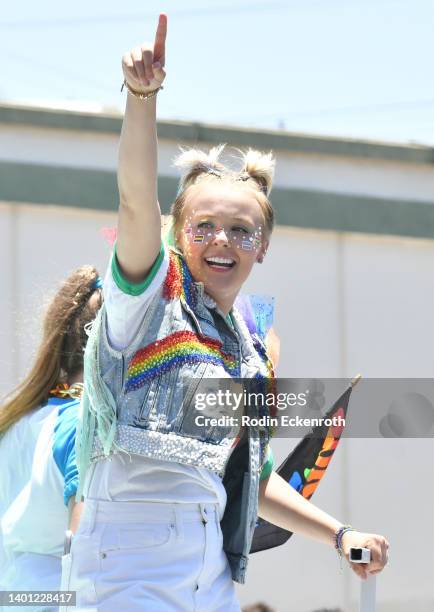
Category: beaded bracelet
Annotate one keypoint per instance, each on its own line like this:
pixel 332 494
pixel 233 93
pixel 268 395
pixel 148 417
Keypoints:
pixel 137 94
pixel 338 539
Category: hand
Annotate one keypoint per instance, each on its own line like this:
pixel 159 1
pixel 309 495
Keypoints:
pixel 143 66
pixel 377 544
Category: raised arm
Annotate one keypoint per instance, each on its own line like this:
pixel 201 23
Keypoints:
pixel 139 222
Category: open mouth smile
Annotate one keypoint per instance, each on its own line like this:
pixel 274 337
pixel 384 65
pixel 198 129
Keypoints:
pixel 221 264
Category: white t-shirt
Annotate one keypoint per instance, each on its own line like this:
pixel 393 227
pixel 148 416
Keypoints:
pixel 38 475
pixel 129 477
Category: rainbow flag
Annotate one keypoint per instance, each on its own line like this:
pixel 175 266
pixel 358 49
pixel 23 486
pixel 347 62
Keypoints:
pixel 303 469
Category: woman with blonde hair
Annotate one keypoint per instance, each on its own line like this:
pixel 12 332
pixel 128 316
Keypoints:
pixel 37 443
pixel 171 504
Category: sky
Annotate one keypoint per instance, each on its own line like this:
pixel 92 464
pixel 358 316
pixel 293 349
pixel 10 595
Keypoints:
pixel 346 68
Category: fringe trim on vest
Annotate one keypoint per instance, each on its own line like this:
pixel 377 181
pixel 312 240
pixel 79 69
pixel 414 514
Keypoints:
pixel 98 408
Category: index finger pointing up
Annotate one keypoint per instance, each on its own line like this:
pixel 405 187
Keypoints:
pixel 160 40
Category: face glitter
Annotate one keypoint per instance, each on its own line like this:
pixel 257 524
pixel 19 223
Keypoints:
pixel 239 236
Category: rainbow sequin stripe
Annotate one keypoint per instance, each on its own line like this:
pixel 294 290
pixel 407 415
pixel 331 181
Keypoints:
pixel 180 348
pixel 179 282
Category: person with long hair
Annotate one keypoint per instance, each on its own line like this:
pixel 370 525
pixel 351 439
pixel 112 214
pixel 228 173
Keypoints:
pixel 37 442
pixel 171 502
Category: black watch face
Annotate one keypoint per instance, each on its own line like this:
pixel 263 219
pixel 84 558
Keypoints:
pixel 356 554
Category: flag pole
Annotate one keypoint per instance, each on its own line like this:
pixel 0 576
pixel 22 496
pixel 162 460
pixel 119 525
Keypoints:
pixel 367 594
pixel 355 380
pixel 368 587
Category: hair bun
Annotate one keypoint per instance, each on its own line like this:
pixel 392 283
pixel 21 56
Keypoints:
pixel 194 162
pixel 259 167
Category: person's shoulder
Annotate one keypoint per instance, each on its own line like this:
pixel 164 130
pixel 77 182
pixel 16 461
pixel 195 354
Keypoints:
pixel 68 411
pixel 115 282
pixel 28 427
pixel 65 425
pixel 36 417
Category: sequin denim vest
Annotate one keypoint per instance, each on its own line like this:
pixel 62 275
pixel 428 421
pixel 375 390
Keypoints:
pixel 140 400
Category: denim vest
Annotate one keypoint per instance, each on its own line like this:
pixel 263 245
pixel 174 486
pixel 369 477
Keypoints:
pixel 140 400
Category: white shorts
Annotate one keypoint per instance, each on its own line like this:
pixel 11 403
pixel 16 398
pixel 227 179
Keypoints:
pixel 149 556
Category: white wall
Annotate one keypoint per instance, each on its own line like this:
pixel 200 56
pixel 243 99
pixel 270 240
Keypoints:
pixel 43 245
pixel 345 303
pixel 349 303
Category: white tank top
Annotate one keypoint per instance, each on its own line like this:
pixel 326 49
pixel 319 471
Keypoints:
pixel 124 477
